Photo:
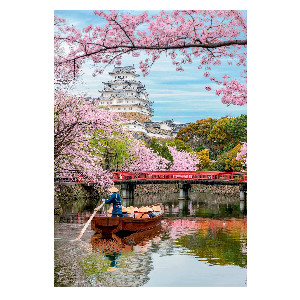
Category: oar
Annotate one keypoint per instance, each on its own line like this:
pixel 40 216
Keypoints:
pixel 88 223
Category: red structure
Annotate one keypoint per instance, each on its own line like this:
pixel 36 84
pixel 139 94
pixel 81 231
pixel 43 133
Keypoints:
pixel 184 179
pixel 177 175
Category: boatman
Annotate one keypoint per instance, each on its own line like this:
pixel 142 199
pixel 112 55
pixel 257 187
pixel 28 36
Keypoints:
pixel 115 199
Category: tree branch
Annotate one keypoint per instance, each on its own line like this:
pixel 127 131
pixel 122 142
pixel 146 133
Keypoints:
pixel 144 47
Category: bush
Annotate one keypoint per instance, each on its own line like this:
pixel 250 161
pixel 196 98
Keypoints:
pixel 231 163
pixel 204 159
pixel 220 162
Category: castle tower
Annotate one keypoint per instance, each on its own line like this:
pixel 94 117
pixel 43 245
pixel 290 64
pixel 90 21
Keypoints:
pixel 126 95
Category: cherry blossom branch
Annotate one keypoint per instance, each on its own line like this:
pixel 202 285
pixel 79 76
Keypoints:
pixel 176 47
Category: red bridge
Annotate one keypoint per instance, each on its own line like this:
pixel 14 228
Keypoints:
pixel 160 176
pixel 184 179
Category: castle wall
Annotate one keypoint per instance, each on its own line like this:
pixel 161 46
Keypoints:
pixel 137 116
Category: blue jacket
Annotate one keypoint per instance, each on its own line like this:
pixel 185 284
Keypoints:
pixel 115 199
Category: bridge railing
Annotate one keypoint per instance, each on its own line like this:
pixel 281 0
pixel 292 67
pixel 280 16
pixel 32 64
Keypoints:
pixel 165 175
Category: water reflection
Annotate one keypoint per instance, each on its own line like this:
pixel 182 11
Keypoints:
pixel 209 232
pixel 116 245
pixel 219 242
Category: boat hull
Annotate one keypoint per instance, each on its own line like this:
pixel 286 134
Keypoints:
pixel 115 224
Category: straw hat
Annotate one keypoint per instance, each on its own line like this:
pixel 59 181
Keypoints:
pixel 143 209
pixel 125 209
pixel 156 208
pixel 113 189
pixel 130 209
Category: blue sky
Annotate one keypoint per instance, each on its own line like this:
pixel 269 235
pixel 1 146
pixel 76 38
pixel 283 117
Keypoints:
pixel 177 95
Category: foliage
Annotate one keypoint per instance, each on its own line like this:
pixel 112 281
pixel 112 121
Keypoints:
pixel 219 132
pixel 212 37
pixel 161 149
pixel 114 148
pixel 231 163
pixel 237 129
pixel 219 135
pixel 220 163
pixel 204 159
pixel 199 148
pixel 196 134
pixel 179 145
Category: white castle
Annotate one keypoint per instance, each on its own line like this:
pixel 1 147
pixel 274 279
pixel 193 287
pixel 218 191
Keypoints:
pixel 124 94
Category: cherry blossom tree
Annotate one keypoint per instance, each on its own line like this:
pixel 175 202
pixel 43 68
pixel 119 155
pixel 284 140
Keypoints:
pixel 75 120
pixel 183 161
pixel 144 159
pixel 243 154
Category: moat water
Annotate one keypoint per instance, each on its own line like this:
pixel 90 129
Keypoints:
pixel 200 242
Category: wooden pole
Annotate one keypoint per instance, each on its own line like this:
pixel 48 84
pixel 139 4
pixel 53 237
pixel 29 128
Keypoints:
pixel 88 223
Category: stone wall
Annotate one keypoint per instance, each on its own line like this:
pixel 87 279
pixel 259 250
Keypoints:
pixel 173 188
pixel 137 116
pixel 159 131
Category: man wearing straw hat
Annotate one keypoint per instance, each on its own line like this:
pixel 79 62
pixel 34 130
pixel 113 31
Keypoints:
pixel 115 199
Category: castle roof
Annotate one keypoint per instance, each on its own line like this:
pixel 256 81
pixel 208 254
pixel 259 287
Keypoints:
pixel 126 69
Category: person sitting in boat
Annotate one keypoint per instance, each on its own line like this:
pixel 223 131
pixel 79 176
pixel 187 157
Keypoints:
pixel 126 212
pixel 115 199
pixel 156 210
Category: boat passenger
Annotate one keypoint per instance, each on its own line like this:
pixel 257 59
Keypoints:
pixel 126 212
pixel 156 210
pixel 150 212
pixel 115 199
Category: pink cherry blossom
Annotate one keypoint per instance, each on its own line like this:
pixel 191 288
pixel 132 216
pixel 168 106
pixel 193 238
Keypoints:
pixel 209 37
pixel 243 154
pixel 183 161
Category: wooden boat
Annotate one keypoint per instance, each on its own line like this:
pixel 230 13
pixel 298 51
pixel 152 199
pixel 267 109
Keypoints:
pixel 108 225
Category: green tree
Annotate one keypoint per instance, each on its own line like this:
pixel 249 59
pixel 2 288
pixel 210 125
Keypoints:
pixel 219 135
pixel 231 163
pixel 237 129
pixel 199 148
pixel 161 149
pixel 179 145
pixel 113 148
pixel 197 132
pixel 220 164
pixel 204 159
